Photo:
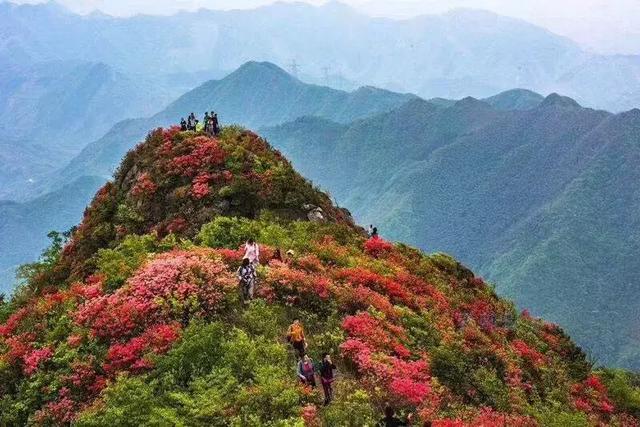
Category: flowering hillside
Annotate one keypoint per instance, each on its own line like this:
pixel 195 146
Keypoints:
pixel 138 319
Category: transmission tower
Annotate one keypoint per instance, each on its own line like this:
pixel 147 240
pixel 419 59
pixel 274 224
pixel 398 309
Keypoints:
pixel 294 67
pixel 325 74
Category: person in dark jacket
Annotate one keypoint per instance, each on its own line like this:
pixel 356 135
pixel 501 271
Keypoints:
pixel 247 277
pixel 390 419
pixel 207 122
pixel 183 125
pixel 306 371
pixel 215 125
pixel 326 377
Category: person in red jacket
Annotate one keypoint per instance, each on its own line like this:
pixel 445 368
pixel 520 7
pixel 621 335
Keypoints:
pixel 306 371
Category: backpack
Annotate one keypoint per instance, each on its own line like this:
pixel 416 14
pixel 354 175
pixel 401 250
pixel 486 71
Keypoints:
pixel 296 334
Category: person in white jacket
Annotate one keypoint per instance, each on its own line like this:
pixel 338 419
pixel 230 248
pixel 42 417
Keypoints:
pixel 252 251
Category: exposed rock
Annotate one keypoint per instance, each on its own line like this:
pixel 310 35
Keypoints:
pixel 316 215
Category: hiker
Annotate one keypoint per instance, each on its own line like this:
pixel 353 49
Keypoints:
pixel 326 377
pixel 252 251
pixel 289 258
pixel 206 121
pixel 306 371
pixel 215 125
pixel 247 277
pixel 370 231
pixel 374 233
pixel 183 124
pixel 295 335
pixel 390 419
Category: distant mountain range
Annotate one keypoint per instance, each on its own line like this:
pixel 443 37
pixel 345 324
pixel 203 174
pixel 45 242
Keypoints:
pixel 461 53
pixel 256 95
pixel 24 226
pixel 543 201
pixel 49 111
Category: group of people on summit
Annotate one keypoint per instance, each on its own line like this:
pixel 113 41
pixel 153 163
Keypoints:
pixel 209 124
pixel 306 370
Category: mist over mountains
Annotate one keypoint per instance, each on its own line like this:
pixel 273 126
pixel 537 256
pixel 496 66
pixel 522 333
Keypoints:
pixel 50 110
pixel 461 53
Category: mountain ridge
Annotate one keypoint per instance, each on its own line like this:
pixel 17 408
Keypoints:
pixel 551 63
pixel 476 183
pixel 138 317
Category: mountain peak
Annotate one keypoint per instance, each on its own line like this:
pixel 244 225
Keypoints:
pixel 515 99
pixel 50 7
pixel 190 169
pixel 556 100
pixel 470 103
pixel 253 69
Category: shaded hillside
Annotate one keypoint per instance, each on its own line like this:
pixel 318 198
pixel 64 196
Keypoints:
pixel 460 53
pixel 137 321
pixel 24 226
pixel 50 111
pixel 505 191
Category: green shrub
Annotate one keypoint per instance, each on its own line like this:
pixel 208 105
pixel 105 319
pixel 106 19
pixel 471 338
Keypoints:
pixel 244 355
pixel 130 401
pixel 209 399
pixel 491 390
pixel 262 319
pixel 119 264
pixel 351 408
pixel 272 397
pixel 196 355
pixel 624 389
pixel 226 232
pixel 550 417
pixel 452 369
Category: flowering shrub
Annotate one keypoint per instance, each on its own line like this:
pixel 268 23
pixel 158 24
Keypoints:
pixel 60 411
pixel 377 247
pixel 484 315
pixel 144 186
pixel 534 357
pixel 174 286
pixel 195 155
pixel 591 397
pixel 35 358
pixel 310 416
pixel 131 355
pixel 200 188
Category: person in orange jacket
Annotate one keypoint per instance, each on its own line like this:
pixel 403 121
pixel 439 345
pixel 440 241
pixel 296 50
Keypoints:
pixel 295 335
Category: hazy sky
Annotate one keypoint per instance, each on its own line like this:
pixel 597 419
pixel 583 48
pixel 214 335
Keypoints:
pixel 608 26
